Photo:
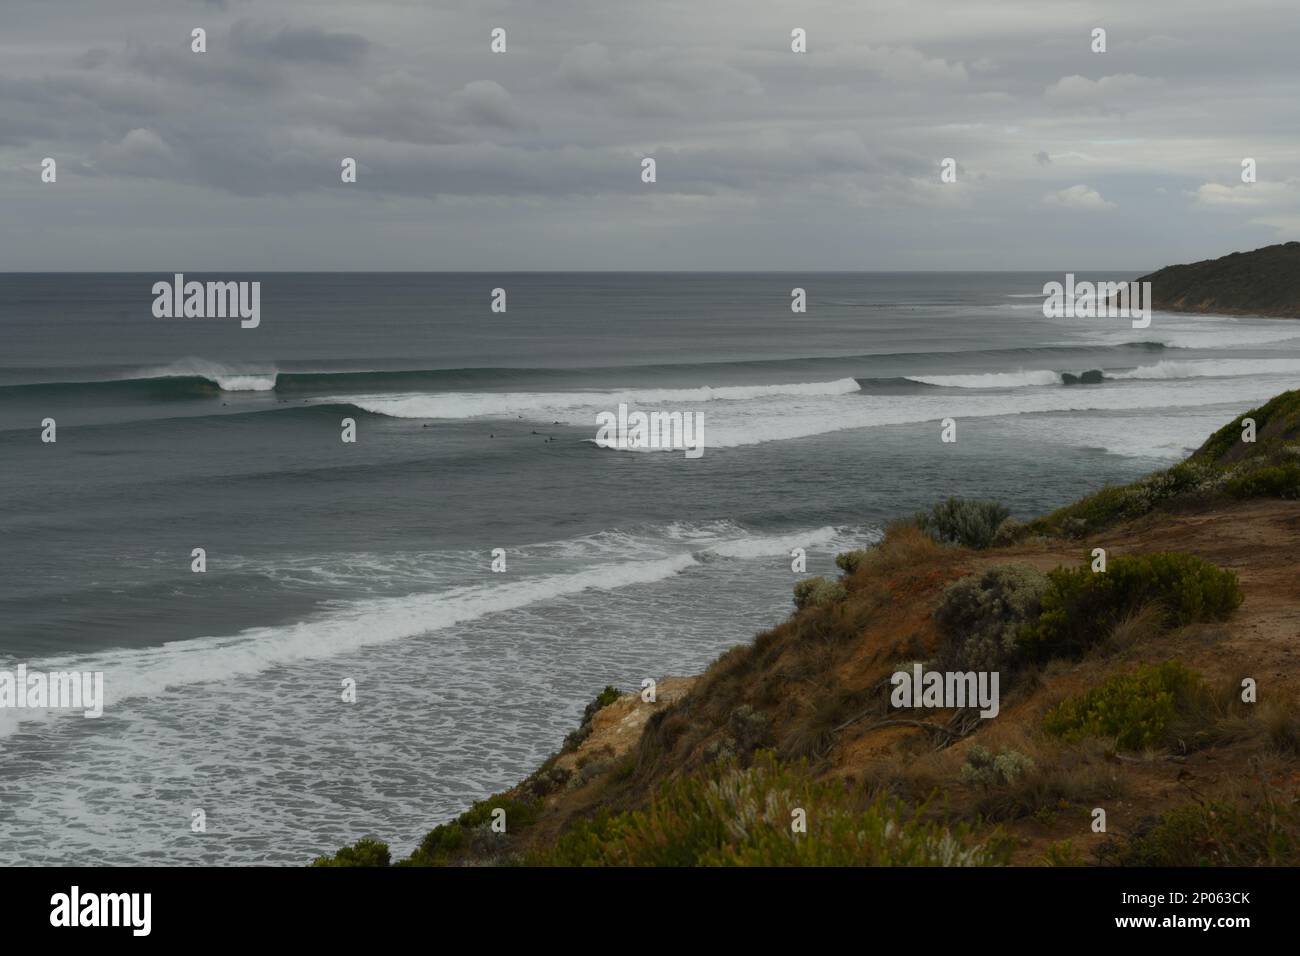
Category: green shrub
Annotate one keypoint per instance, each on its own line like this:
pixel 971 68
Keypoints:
pixel 968 522
pixel 442 842
pixel 1276 421
pixel 984 769
pixel 1063 853
pixel 750 728
pixel 1009 532
pixel 1098 510
pixel 1135 710
pixel 1272 481
pixel 850 561
pixel 725 816
pixel 606 697
pixel 1267 467
pixel 817 592
pixel 1217 834
pixel 981 615
pixel 365 852
pixel 1080 607
pixel 1117 503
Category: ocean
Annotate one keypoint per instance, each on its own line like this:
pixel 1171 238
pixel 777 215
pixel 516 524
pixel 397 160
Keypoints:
pixel 370 564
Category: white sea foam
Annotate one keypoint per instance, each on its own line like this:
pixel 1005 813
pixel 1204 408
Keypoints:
pixel 1177 331
pixel 1210 368
pixel 783 415
pixel 346 627
pixel 761 546
pixel 146 672
pixel 753 423
pixel 1169 369
pixel 1158 439
pixel 546 406
pixel 991 379
pixel 226 378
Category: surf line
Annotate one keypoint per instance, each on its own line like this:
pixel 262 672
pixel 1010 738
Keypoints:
pixel 638 430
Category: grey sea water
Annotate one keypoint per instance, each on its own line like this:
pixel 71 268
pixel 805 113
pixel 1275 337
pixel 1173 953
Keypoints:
pixel 372 561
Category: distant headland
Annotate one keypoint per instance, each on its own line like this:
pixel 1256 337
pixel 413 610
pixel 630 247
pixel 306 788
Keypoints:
pixel 1263 282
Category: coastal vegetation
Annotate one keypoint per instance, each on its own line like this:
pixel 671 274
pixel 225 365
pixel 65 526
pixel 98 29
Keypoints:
pixel 1154 686
pixel 751 816
pixel 969 523
pixel 1080 606
pixel 1263 281
pixel 1223 469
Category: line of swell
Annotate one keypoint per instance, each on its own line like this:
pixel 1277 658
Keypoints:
pixel 213 381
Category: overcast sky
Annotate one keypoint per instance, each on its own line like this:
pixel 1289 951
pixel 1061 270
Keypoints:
pixel 766 159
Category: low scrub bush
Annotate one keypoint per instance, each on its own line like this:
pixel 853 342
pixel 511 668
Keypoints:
pixel 850 561
pixel 1063 853
pixel 444 841
pixel 1009 532
pixel 1281 727
pixel 726 816
pixel 1272 481
pixel 1135 629
pixel 817 592
pixel 1265 832
pixel 1081 608
pixel 1137 711
pixel 1117 503
pixel 1277 422
pixel 365 852
pixel 969 522
pixel 1224 465
pixel 1014 786
pixel 981 616
pixel 985 769
pixel 902 550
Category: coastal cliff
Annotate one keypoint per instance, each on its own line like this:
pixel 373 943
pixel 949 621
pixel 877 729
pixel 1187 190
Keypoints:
pixel 1147 715
pixel 1262 282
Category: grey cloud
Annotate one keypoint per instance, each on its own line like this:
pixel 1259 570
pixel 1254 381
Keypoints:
pixel 46 107
pixel 206 70
pixel 402 109
pixel 94 58
pixel 654 81
pixel 827 158
pixel 141 152
pixel 1115 92
pixel 487 103
pixel 251 39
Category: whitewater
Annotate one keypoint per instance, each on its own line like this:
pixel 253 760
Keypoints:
pixel 370 564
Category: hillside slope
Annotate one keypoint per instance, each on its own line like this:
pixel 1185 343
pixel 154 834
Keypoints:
pixel 1262 282
pixel 1161 690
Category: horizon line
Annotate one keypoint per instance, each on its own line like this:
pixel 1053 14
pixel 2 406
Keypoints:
pixel 55 272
